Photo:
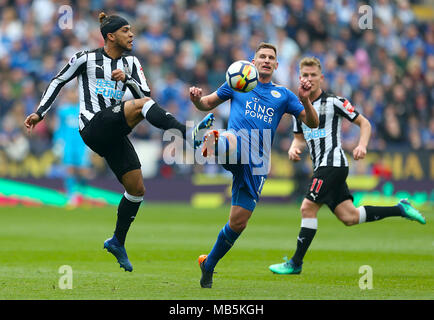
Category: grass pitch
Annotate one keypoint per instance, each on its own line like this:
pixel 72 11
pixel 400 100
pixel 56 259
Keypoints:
pixel 165 241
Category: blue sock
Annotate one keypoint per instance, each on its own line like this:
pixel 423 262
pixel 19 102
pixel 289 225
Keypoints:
pixel 225 240
pixel 82 185
pixel 70 185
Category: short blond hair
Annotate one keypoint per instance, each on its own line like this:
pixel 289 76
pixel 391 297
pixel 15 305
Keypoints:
pixel 309 62
pixel 266 45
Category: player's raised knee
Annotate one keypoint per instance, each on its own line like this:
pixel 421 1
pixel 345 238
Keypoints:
pixel 136 105
pixel 144 100
pixel 135 189
pixel 140 191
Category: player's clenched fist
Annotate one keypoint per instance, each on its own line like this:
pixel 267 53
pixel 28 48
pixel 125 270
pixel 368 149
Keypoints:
pixel 359 152
pixel 195 94
pixel 304 88
pixel 294 154
pixel 118 75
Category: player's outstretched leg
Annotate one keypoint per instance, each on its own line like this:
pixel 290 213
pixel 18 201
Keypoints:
pixel 192 135
pixel 146 108
pixel 114 247
pixel 375 213
pixel 409 212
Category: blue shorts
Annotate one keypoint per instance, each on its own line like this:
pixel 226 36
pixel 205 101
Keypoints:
pixel 241 197
pixel 246 186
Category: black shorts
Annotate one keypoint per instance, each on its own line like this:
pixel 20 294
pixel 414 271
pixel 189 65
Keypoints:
pixel 328 186
pixel 106 134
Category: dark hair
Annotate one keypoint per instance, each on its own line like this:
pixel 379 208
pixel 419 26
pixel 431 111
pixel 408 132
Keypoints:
pixel 109 24
pixel 102 16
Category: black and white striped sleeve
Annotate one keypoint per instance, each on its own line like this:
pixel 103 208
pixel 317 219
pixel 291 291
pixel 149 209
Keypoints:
pixel 344 108
pixel 75 66
pixel 297 125
pixel 136 80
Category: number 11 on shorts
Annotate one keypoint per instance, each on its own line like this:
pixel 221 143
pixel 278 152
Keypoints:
pixel 318 183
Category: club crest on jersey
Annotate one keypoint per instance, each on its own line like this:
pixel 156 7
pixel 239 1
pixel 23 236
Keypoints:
pixel 323 108
pixel 116 109
pixel 127 69
pixel 275 94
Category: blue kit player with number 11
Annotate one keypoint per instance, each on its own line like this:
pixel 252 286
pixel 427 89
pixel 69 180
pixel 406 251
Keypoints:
pixel 244 148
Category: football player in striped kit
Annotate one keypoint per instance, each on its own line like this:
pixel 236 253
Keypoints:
pixel 328 185
pixel 105 120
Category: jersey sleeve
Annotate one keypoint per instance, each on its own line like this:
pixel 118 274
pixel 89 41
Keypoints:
pixel 224 92
pixel 344 108
pixel 294 106
pixel 136 80
pixel 72 69
pixel 297 125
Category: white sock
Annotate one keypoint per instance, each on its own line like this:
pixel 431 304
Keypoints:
pixel 362 214
pixel 147 106
pixel 310 223
pixel 132 198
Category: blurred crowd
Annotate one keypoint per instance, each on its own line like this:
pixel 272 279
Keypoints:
pixel 386 70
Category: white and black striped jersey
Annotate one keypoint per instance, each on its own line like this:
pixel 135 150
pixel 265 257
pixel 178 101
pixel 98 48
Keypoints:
pixel 324 142
pixel 97 90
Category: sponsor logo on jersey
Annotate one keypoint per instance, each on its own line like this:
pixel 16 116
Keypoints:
pixel 107 89
pixel 310 134
pixel 255 110
pixel 348 106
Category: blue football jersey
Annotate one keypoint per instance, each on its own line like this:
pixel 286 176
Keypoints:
pixel 67 129
pixel 75 152
pixel 255 115
pixel 261 108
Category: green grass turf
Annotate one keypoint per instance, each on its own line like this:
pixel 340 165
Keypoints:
pixel 165 241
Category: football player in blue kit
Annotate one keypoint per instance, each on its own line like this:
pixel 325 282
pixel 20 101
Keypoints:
pixel 244 148
pixel 75 153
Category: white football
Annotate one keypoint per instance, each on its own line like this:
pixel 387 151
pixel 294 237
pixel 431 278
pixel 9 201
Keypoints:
pixel 242 76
